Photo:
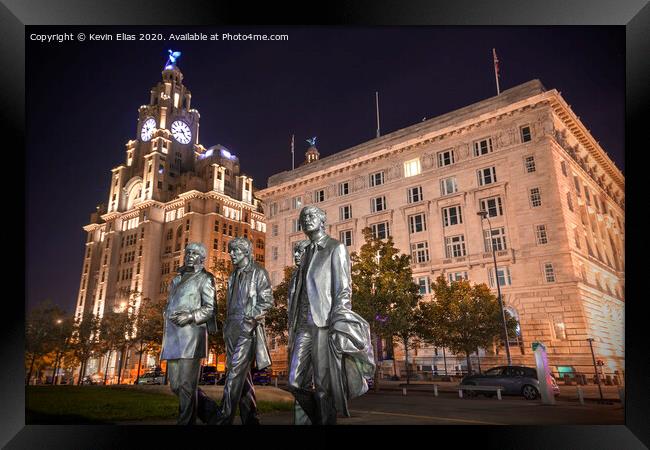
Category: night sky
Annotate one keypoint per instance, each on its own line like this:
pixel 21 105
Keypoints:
pixel 83 99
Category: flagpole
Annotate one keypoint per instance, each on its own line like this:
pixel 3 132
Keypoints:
pixel 496 69
pixel 293 166
pixel 377 104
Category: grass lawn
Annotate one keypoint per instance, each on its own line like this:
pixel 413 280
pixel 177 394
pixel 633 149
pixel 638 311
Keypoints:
pixel 105 404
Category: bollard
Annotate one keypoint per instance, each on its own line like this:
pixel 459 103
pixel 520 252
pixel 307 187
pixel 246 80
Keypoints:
pixel 276 381
pixel 621 395
pixel 435 390
pixel 460 393
pixel 581 398
pixel 499 394
pixel 404 391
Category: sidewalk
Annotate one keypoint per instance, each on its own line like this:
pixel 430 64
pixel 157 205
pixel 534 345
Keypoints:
pixel 570 393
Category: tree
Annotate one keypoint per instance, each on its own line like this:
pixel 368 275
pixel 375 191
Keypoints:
pixel 149 325
pixel 42 332
pixel 467 316
pixel 62 338
pixel 84 340
pixel 276 320
pixel 220 270
pixel 383 293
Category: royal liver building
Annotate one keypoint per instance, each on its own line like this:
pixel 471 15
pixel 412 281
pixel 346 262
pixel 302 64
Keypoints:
pixel 168 191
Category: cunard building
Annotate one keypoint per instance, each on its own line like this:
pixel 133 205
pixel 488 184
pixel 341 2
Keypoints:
pixel 554 199
pixel 170 190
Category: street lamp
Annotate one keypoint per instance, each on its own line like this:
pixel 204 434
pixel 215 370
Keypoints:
pixel 593 357
pixel 484 215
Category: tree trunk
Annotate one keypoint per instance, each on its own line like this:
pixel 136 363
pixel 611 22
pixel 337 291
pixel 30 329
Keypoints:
pixel 31 368
pixel 378 359
pixel 469 363
pixel 108 360
pixel 137 378
pixel 406 360
pixel 126 359
pixel 478 361
pixel 56 363
pixel 444 359
pixel 395 368
pixel 82 370
pixel 119 367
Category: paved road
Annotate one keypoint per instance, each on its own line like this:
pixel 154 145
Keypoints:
pixel 389 407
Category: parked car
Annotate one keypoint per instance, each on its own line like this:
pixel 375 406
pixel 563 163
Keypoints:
pixel 516 380
pixel 209 375
pixel 262 377
pixel 92 379
pixel 154 377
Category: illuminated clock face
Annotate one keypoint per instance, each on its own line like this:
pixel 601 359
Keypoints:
pixel 147 129
pixel 181 132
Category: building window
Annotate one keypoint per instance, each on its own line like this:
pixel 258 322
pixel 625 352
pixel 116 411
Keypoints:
pixel 452 216
pixel 541 237
pixel 376 179
pixel 412 168
pixel 497 241
pixel 487 175
pixel 576 182
pixel 414 194
pixel 380 230
pixel 492 205
pixel 535 197
pixel 378 204
pixel 587 196
pixel 274 253
pixel 296 202
pixel 296 225
pixel 563 167
pixel 457 276
pixel 417 223
pixel 503 275
pixel 549 273
pixel 576 238
pixel 344 188
pixel 448 186
pixel 569 201
pixel 345 212
pixel 455 246
pixel 345 236
pixel 274 229
pixel 445 158
pixel 559 329
pixel 215 244
pixel 482 147
pixel 425 286
pixel 273 209
pixel 525 134
pixel 420 252
pixel 529 164
pixel 319 196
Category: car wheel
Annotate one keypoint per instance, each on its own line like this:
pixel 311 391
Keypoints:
pixel 488 394
pixel 529 392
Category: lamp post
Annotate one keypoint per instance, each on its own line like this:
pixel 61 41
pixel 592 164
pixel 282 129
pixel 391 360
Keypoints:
pixel 484 215
pixel 593 358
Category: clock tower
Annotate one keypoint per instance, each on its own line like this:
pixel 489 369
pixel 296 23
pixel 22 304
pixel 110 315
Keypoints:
pixel 170 190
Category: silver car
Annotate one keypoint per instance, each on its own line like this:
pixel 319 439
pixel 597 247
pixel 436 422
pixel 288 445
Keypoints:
pixel 152 378
pixel 515 380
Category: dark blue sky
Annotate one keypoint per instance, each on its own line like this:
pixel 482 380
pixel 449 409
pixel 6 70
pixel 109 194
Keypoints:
pixel 83 98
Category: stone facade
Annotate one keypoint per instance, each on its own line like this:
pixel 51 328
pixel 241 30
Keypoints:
pixel 556 204
pixel 167 193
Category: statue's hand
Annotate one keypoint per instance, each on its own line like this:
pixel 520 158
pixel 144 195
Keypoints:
pixel 181 318
pixel 249 324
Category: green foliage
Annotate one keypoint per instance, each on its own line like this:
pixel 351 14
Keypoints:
pixel 149 324
pixel 221 273
pixel 276 320
pixel 383 291
pixel 464 317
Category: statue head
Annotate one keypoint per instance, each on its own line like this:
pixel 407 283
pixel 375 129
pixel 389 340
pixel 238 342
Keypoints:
pixel 298 249
pixel 195 254
pixel 312 219
pixel 240 250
